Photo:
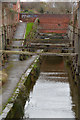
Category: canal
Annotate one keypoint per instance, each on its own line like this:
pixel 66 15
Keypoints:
pixel 54 95
pixel 51 96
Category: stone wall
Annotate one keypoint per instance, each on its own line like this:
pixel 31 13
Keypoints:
pixel 8 22
pixel 73 37
pixel 15 106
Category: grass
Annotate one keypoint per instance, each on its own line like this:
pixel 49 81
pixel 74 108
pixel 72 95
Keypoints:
pixel 28 29
pixel 28 12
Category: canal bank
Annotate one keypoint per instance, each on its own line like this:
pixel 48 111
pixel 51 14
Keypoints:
pixel 16 102
pixel 14 68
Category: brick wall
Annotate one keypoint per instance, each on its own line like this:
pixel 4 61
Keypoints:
pixel 56 23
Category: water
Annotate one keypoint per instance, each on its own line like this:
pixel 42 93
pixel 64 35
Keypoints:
pixel 51 95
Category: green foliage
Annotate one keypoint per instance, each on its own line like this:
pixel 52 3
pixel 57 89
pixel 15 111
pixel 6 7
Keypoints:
pixel 28 11
pixel 28 29
pixel 41 10
pixel 35 65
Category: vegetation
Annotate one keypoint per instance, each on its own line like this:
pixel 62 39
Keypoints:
pixel 48 7
pixel 41 10
pixel 28 11
pixel 28 29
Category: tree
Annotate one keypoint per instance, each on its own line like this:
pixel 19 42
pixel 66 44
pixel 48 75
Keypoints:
pixel 41 10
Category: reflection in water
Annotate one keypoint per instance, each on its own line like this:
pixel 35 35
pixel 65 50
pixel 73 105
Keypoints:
pixel 51 96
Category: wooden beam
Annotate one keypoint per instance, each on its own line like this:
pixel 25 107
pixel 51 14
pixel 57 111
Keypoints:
pixel 58 54
pixel 16 52
pixel 40 47
pixel 53 40
pixel 52 29
pixel 17 39
pixel 78 14
pixel 39 53
pixel 43 44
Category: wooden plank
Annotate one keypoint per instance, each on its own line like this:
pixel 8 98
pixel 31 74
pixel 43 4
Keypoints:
pixel 39 53
pixel 45 44
pixel 41 47
pixel 58 54
pixel 16 52
pixel 17 39
pixel 52 29
pixel 53 41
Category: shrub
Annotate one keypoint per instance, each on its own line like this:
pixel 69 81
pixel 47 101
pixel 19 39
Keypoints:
pixel 28 29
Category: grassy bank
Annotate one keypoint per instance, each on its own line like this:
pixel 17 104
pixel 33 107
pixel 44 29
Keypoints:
pixel 28 29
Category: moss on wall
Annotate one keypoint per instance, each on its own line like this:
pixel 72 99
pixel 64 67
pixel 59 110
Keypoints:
pixel 17 110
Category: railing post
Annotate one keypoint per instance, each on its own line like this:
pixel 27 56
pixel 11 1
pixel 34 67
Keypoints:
pixel 78 15
pixel 5 36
